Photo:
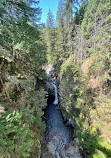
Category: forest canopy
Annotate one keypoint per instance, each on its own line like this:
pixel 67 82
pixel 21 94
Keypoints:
pixel 77 44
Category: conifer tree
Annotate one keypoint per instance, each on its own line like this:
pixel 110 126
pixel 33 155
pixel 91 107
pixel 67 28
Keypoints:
pixel 22 54
pixel 60 43
pixel 50 36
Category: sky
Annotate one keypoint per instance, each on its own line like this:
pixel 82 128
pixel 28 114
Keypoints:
pixel 46 5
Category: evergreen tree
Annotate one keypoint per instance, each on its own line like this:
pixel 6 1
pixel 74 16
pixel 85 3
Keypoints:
pixel 83 65
pixel 22 54
pixel 50 37
pixel 60 43
pixel 69 11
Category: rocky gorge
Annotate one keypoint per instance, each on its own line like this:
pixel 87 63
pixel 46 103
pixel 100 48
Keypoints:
pixel 59 139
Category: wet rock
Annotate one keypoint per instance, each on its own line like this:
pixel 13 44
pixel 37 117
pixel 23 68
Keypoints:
pixel 71 151
pixel 49 86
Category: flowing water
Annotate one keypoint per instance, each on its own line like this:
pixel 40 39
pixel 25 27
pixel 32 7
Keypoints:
pixel 57 132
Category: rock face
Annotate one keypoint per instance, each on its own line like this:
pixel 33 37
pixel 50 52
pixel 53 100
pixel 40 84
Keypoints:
pixel 48 68
pixel 49 86
pixel 70 151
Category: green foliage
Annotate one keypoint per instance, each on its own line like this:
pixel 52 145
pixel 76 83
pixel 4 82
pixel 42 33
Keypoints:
pixel 65 66
pixel 81 54
pixel 92 145
pixel 22 54
pixel 16 138
pixel 50 37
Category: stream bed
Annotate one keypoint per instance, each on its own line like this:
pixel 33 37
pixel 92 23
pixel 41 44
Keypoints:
pixel 58 135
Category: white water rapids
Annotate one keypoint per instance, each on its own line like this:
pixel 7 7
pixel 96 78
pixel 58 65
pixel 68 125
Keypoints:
pixel 58 134
pixel 56 102
pixel 56 96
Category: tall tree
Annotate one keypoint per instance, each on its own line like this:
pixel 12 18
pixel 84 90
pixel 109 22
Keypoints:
pixel 60 43
pixel 50 36
pixel 22 54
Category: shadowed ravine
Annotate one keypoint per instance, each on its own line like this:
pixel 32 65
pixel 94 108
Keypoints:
pixel 58 134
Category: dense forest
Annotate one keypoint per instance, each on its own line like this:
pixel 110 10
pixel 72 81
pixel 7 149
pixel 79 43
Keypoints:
pixel 22 54
pixel 77 44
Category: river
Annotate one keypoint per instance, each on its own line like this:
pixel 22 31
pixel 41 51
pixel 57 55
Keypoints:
pixel 58 134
